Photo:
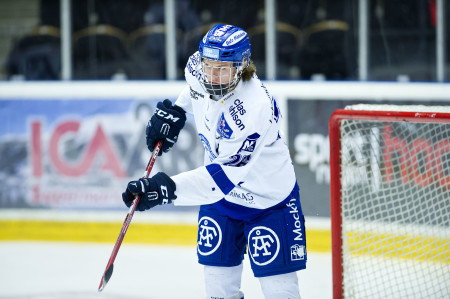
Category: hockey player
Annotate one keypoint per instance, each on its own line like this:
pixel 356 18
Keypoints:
pixel 247 190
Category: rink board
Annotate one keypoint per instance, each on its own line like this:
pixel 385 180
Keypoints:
pixel 159 228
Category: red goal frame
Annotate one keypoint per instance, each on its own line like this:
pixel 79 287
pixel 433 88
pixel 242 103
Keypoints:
pixel 335 170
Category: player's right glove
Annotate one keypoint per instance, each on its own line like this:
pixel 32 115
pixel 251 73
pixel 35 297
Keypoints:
pixel 157 190
pixel 165 124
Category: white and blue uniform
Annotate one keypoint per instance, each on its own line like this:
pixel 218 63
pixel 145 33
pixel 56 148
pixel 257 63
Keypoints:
pixel 246 162
pixel 247 187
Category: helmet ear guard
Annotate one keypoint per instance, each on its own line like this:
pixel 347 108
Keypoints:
pixel 246 59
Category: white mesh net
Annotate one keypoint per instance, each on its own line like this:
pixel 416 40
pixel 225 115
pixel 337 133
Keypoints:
pixel 395 202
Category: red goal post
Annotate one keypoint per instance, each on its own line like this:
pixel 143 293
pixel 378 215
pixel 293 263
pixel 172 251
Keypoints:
pixel 390 201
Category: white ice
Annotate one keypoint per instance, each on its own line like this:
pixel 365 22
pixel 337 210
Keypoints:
pixel 38 270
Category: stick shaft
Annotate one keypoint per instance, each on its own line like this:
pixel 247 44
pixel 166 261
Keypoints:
pixel 109 267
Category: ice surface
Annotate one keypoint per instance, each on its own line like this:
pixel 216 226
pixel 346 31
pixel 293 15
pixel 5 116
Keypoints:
pixel 38 270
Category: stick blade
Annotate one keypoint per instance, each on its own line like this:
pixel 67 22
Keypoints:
pixel 106 277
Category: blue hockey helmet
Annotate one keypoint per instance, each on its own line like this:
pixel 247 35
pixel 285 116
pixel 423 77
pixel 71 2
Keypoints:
pixel 223 46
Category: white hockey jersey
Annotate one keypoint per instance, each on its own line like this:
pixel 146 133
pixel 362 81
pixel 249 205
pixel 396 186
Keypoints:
pixel 246 163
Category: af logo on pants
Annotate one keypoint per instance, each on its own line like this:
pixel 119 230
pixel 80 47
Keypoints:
pixel 275 240
pixel 264 245
pixel 209 236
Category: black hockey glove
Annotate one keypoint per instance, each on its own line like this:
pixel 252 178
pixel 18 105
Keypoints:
pixel 165 124
pixel 158 190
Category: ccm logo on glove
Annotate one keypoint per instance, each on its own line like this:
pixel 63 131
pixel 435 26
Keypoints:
pixel 165 124
pixel 166 115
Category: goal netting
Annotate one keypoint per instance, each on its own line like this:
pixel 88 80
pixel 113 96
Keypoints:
pixel 390 201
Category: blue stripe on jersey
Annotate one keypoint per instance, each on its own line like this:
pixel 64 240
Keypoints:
pixel 220 178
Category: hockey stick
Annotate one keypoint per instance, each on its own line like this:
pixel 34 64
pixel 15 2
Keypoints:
pixel 110 266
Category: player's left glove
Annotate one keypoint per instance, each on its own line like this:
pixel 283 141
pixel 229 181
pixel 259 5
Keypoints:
pixel 158 190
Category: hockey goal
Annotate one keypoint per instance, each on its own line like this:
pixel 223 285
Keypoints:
pixel 390 201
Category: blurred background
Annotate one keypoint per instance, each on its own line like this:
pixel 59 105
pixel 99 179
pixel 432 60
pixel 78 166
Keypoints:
pixel 79 80
pixel 151 39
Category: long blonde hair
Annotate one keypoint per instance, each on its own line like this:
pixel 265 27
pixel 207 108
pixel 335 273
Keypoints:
pixel 248 72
